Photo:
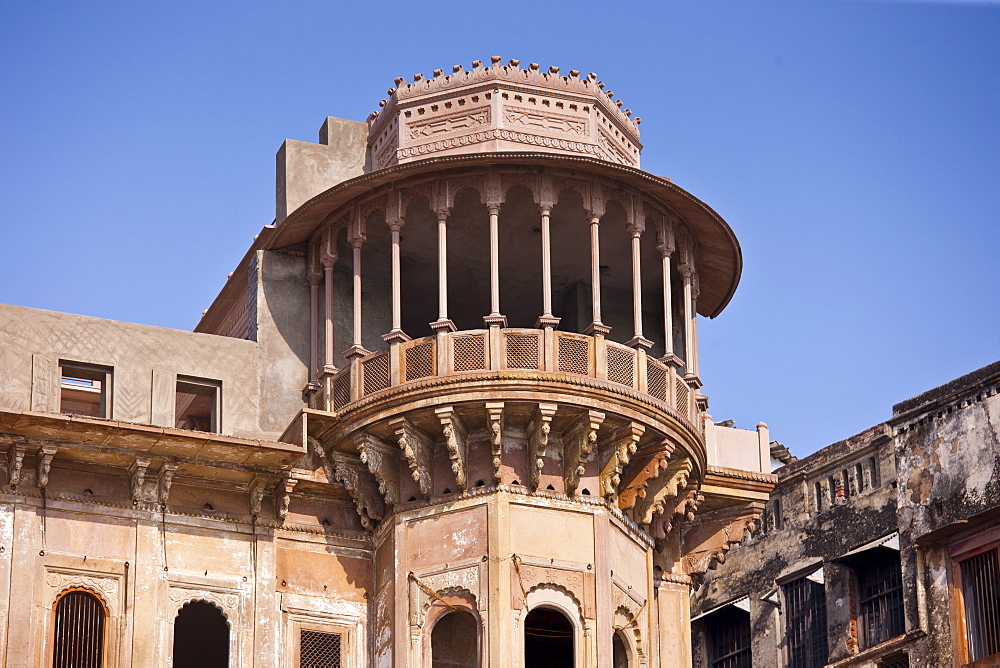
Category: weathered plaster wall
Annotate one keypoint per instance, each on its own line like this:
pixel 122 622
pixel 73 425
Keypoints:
pixel 146 362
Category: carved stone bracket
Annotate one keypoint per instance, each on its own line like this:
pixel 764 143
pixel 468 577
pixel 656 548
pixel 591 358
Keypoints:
pixel 15 459
pixel 494 414
pixel 706 543
pixel 137 475
pixel 258 488
pixel 164 479
pixel 578 444
pixel 617 451
pixel 538 440
pixel 645 467
pixel 665 487
pixel 418 449
pixel 382 460
pixel 456 437
pixel 45 456
pixel 351 471
pixel 284 497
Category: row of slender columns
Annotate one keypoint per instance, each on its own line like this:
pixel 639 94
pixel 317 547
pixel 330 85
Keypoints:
pixel 547 319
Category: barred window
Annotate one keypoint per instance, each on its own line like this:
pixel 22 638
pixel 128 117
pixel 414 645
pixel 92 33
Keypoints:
pixel 318 649
pixel 981 594
pixel 805 623
pixel 880 597
pixel 728 633
pixel 79 633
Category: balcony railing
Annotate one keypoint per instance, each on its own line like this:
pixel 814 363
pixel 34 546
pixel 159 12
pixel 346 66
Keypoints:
pixel 477 351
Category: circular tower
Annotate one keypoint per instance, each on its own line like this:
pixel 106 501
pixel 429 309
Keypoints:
pixel 506 375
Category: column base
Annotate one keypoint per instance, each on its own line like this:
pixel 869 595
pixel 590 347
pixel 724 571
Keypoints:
pixel 547 321
pixel 595 328
pixel 356 351
pixel 672 360
pixel 495 320
pixel 693 380
pixel 443 325
pixel 639 342
pixel 396 336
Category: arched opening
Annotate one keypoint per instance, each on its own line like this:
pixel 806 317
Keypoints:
pixel 619 652
pixel 79 631
pixel 548 639
pixel 454 641
pixel 201 637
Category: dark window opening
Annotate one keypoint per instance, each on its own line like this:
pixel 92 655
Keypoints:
pixel 201 637
pixel 319 650
pixel 619 652
pixel 84 389
pixel 454 641
pixel 728 635
pixel 880 596
pixel 548 639
pixel 895 661
pixel 981 594
pixel 79 631
pixel 197 405
pixel 805 623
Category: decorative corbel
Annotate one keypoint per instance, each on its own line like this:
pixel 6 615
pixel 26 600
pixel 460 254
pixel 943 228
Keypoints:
pixel 617 451
pixel 646 466
pixel 284 497
pixel 258 488
pixel 538 440
pixel 667 486
pixel 350 471
pixel 456 438
pixel 164 479
pixel 15 459
pixel 494 415
pixel 418 448
pixel 495 194
pixel 381 459
pixel 137 475
pixel 45 456
pixel 578 444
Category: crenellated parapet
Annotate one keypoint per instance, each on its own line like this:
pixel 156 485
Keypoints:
pixel 500 107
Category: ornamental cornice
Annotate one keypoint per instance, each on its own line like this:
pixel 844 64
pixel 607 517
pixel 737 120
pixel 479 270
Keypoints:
pixel 510 135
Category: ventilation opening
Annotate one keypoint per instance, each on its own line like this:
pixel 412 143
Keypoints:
pixel 83 389
pixel 550 487
pixel 319 650
pixel 454 641
pixel 201 637
pixel 480 483
pixel 197 405
pixel 548 639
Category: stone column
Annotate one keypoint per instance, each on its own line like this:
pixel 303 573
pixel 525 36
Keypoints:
pixel 547 319
pixel 357 240
pixel 315 278
pixel 666 250
pixel 635 230
pixel 495 319
pixel 596 326
pixel 690 333
pixel 328 258
pixel 442 324
pixel 396 334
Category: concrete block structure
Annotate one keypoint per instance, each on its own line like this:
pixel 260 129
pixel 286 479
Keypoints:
pixel 446 412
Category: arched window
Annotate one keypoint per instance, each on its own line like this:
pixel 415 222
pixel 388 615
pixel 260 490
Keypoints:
pixel 201 637
pixel 79 633
pixel 548 639
pixel 454 641
pixel 619 652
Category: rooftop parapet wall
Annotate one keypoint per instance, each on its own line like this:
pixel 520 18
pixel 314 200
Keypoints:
pixel 502 108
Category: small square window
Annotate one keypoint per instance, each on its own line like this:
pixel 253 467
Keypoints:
pixel 84 389
pixel 198 403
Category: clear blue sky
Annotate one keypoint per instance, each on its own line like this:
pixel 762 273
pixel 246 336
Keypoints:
pixel 853 146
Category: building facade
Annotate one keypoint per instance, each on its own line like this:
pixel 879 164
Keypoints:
pixel 445 412
pixel 880 550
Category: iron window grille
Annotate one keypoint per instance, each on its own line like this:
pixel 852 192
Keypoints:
pixel 880 598
pixel 981 594
pixel 318 649
pixel 805 623
pixel 728 632
pixel 79 631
